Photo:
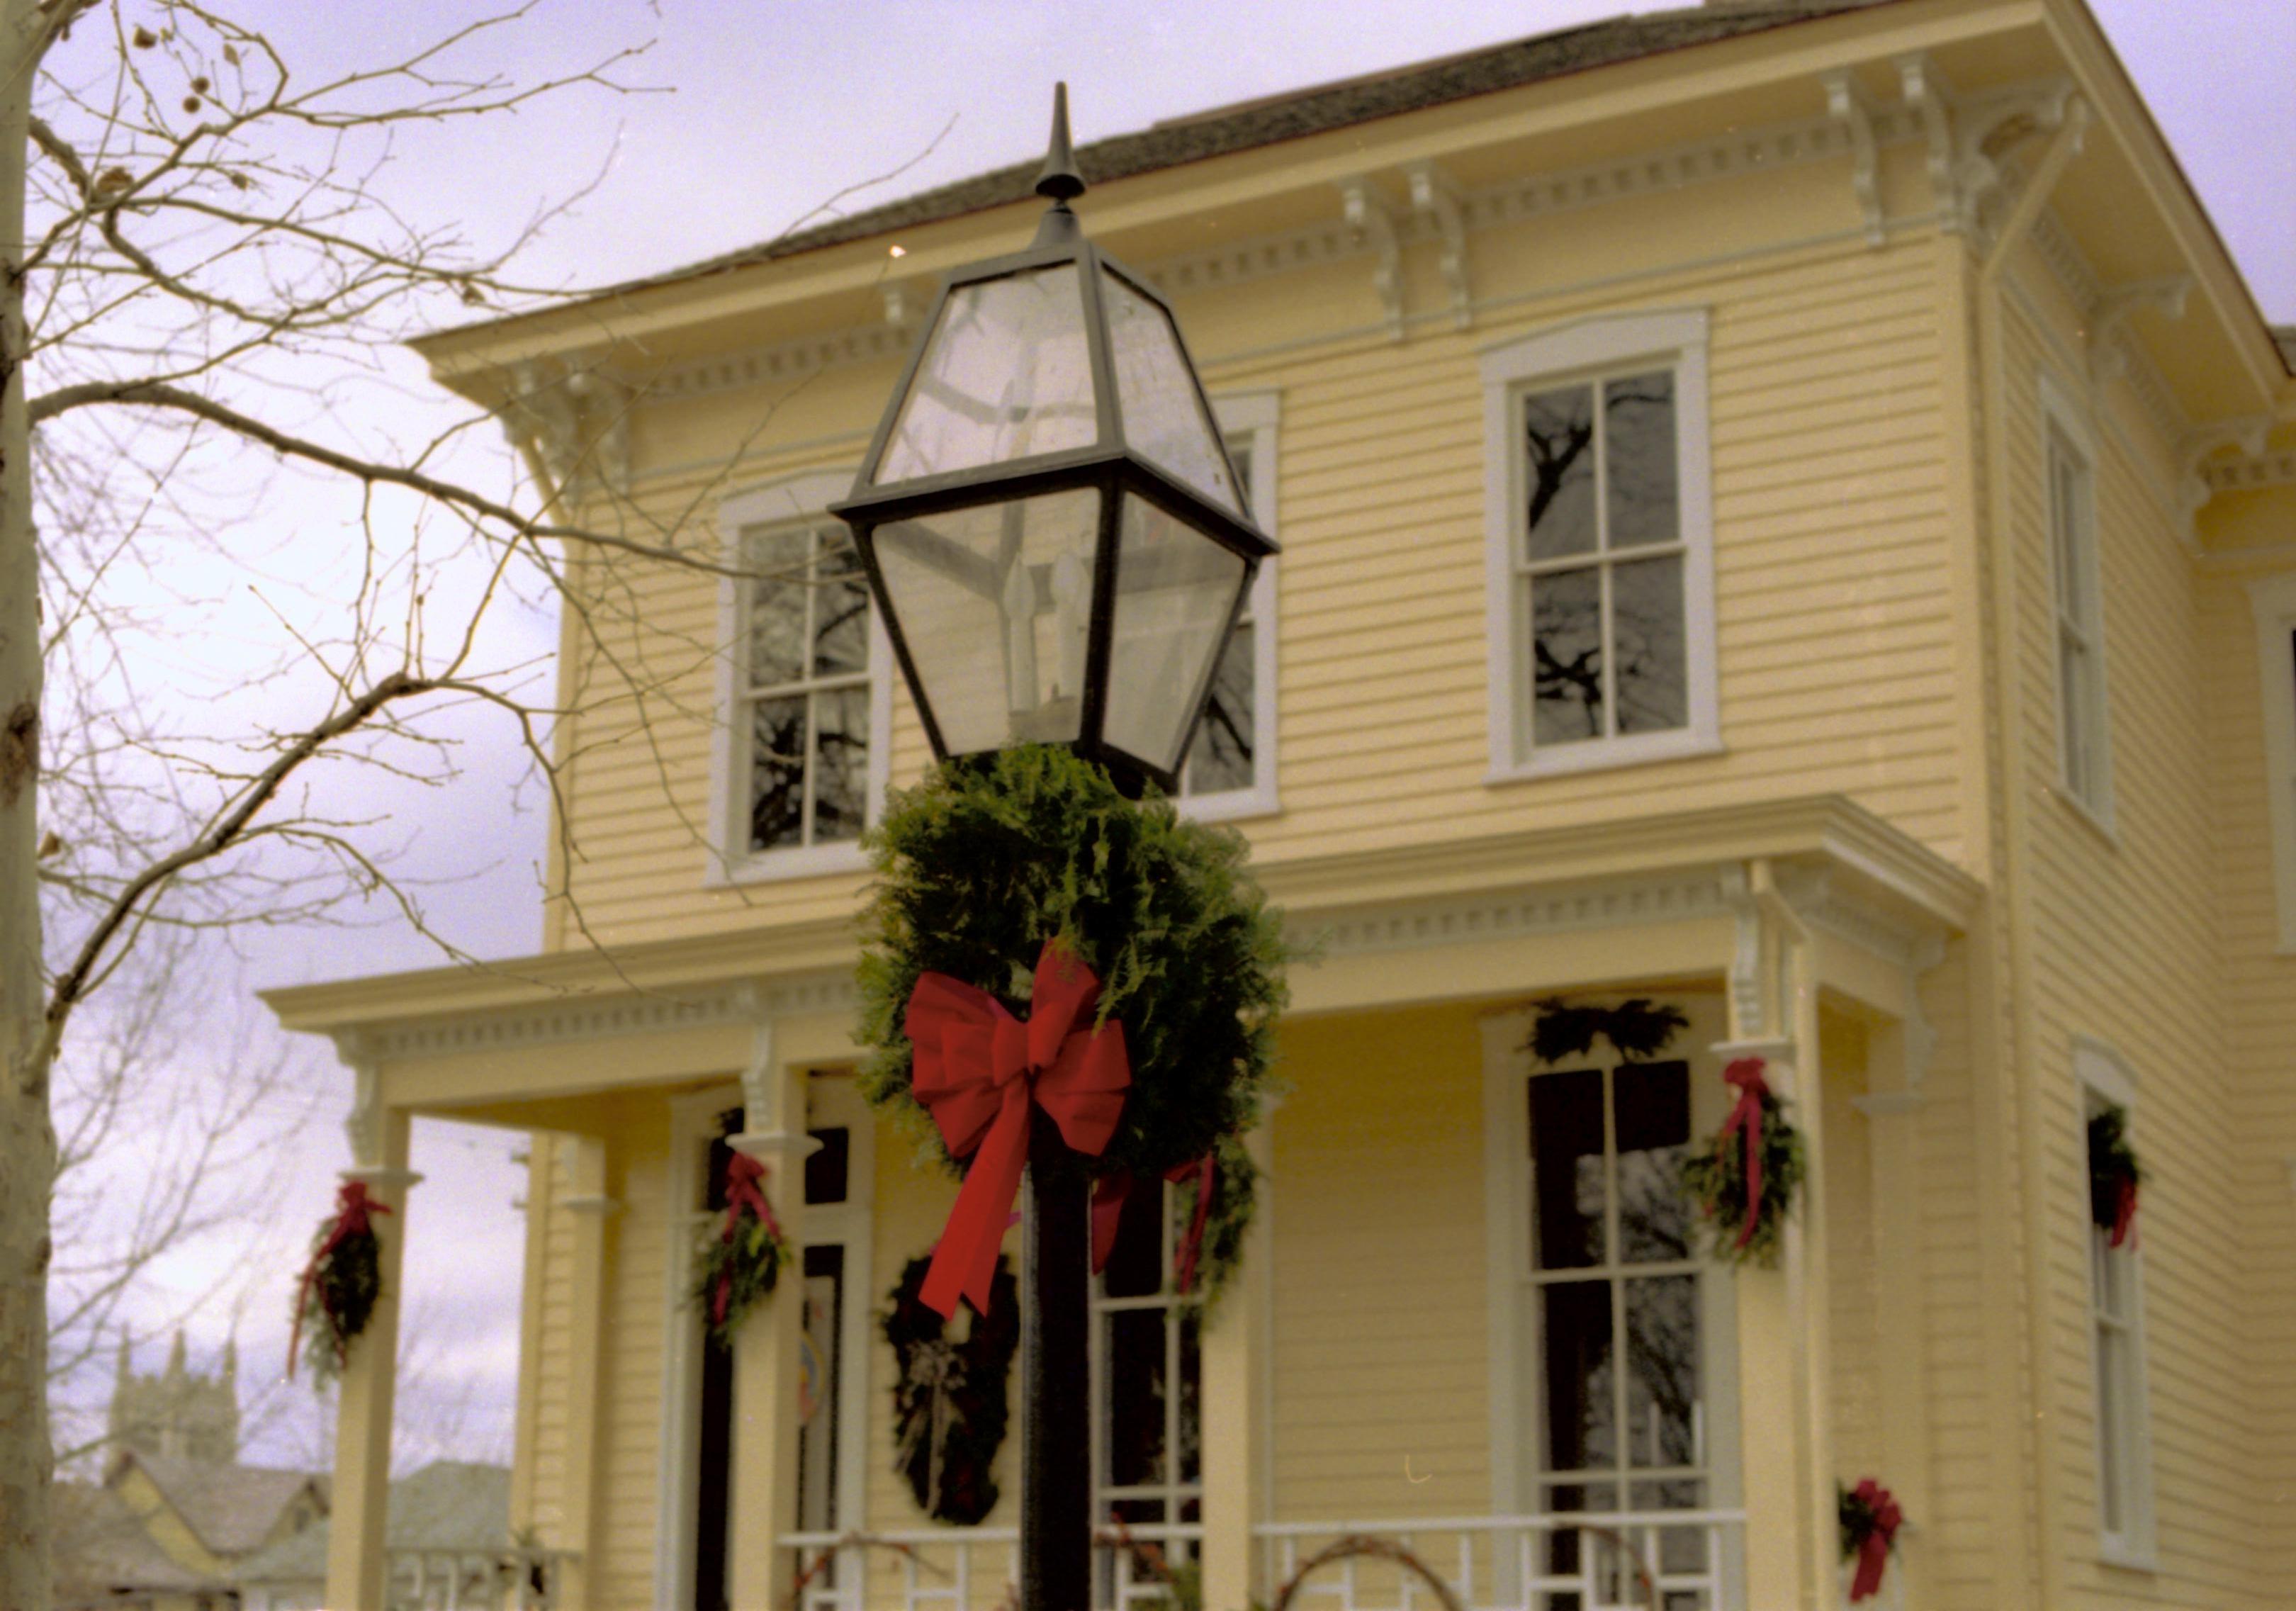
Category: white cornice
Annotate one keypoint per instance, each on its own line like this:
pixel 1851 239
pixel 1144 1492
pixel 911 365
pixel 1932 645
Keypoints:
pixel 2251 472
pixel 1506 915
pixel 737 1002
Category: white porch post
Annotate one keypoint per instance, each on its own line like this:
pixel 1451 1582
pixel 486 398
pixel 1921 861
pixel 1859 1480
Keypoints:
pixel 766 1351
pixel 358 1573
pixel 586 1199
pixel 1235 1408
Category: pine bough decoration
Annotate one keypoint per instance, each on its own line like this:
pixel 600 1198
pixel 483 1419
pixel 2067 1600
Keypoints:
pixel 340 1286
pixel 741 1260
pixel 1744 1182
pixel 1870 1519
pixel 949 1407
pixel 2113 1174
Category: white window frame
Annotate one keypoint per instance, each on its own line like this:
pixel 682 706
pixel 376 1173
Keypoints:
pixel 1172 1303
pixel 2085 715
pixel 1250 418
pixel 1587 350
pixel 2103 1077
pixel 790 500
pixel 2274 601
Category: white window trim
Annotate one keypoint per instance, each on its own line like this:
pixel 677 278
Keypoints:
pixel 804 497
pixel 2274 601
pixel 1677 338
pixel 1171 1302
pixel 2100 1071
pixel 1253 414
pixel 2059 414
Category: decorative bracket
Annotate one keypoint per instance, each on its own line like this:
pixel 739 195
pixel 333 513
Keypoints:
pixel 2193 487
pixel 896 303
pixel 1435 198
pixel 2108 320
pixel 578 421
pixel 766 1130
pixel 1848 104
pixel 363 1125
pixel 1969 138
pixel 1373 224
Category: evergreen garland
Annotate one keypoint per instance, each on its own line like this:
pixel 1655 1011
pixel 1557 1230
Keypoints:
pixel 1236 1181
pixel 2114 1174
pixel 1716 1180
pixel 739 1261
pixel 1638 1029
pixel 340 1286
pixel 961 1385
pixel 991 856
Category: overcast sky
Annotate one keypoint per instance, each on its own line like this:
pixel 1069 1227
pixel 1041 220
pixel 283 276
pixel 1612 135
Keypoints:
pixel 749 114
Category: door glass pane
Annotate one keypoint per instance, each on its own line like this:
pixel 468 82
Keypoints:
pixel 1582 1416
pixel 1646 635
pixel 1639 462
pixel 1653 1123
pixel 1566 646
pixel 1558 489
pixel 1662 1371
pixel 1566 1151
pixel 1189 1322
pixel 816 1390
pixel 1135 1383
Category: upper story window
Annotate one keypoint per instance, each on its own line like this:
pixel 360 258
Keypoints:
pixel 2275 603
pixel 2124 1444
pixel 807 686
pixel 1230 768
pixel 2085 761
pixel 1600 522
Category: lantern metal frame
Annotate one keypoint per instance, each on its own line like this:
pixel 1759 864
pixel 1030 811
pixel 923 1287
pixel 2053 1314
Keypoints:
pixel 1110 464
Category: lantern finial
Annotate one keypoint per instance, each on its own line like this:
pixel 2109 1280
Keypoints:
pixel 1058 180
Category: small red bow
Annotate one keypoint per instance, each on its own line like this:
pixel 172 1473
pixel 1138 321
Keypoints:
pixel 352 1207
pixel 1108 1211
pixel 977 1070
pixel 1746 1074
pixel 744 1189
pixel 1873 1548
pixel 2124 1212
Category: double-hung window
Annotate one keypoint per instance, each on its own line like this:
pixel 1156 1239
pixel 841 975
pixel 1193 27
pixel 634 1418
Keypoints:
pixel 802 758
pixel 2275 603
pixel 2085 761
pixel 1230 768
pixel 2124 1456
pixel 1600 529
pixel 1146 1380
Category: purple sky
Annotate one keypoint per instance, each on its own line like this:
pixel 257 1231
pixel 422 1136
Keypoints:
pixel 775 107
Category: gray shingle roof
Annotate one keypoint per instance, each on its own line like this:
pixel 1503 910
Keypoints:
pixel 1301 112
pixel 447 1505
pixel 232 1508
pixel 100 1549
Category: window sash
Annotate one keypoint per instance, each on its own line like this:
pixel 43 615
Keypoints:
pixel 1177 1309
pixel 810 684
pixel 2080 688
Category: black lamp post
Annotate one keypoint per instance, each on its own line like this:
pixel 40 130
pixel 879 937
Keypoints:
pixel 1054 535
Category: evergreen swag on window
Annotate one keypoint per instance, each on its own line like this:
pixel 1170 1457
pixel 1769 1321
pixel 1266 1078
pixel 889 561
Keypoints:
pixel 2114 1174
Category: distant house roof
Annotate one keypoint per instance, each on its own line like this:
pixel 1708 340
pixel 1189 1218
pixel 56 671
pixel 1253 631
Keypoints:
pixel 1297 114
pixel 231 1508
pixel 2283 336
pixel 101 1551
pixel 447 1505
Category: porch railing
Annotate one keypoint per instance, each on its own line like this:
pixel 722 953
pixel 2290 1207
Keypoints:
pixel 1672 1560
pixel 515 1578
pixel 973 1568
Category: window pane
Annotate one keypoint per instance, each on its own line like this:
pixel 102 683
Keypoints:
pixel 2111 1429
pixel 1220 757
pixel 1653 1125
pixel 778 607
pixel 841 764
pixel 1639 462
pixel 1190 1322
pixel 1646 631
pixel 1680 1549
pixel 1581 1420
pixel 840 609
pixel 1136 1264
pixel 1566 645
pixel 1661 1370
pixel 1135 1384
pixel 777 773
pixel 1558 489
pixel 1566 1153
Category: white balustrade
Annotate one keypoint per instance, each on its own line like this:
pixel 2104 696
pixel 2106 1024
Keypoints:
pixel 511 1579
pixel 973 1568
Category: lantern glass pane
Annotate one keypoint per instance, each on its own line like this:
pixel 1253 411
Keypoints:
pixel 1006 375
pixel 995 603
pixel 1175 591
pixel 1164 414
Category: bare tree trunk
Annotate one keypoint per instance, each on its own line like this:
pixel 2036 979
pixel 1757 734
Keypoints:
pixel 27 1142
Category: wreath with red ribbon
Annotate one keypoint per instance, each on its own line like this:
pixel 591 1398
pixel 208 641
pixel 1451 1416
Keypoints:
pixel 1745 1179
pixel 2113 1174
pixel 949 1397
pixel 741 1261
pixel 1037 941
pixel 340 1286
pixel 1870 1519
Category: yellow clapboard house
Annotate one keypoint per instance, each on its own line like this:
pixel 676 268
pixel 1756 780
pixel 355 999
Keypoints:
pixel 1787 510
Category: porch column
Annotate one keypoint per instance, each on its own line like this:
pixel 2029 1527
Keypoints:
pixel 766 1350
pixel 587 1200
pixel 358 1573
pixel 1235 1408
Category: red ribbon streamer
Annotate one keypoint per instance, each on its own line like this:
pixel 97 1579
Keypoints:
pixel 744 1189
pixel 1108 1200
pixel 1873 1548
pixel 2124 1212
pixel 977 1070
pixel 1746 1074
pixel 352 1207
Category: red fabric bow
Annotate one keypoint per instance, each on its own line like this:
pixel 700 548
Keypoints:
pixel 977 1070
pixel 1746 1074
pixel 2124 1212
pixel 744 1189
pixel 1108 1211
pixel 1873 1548
pixel 352 1207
